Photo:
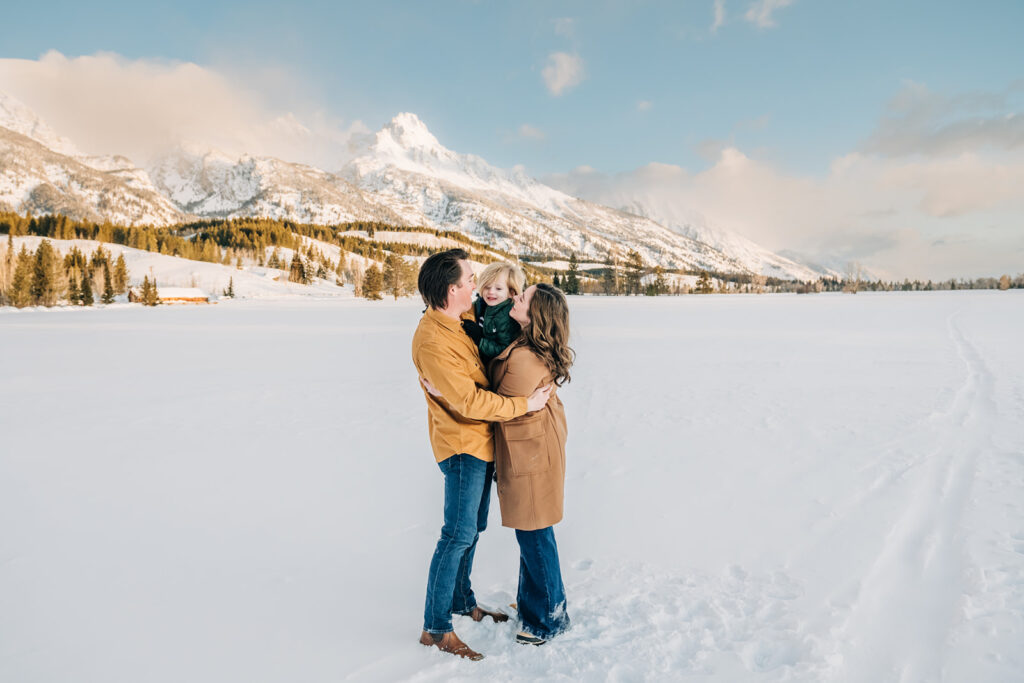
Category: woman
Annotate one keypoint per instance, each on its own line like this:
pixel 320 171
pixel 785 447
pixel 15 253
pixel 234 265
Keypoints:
pixel 529 456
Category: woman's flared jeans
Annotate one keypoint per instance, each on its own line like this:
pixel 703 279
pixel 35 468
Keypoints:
pixel 541 599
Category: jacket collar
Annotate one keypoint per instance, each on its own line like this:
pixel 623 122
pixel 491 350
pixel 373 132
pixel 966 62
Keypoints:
pixel 443 320
pixel 498 308
pixel 508 350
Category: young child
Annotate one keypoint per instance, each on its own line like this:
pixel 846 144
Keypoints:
pixel 497 284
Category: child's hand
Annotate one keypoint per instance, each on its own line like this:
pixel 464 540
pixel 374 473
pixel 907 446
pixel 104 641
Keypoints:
pixel 473 329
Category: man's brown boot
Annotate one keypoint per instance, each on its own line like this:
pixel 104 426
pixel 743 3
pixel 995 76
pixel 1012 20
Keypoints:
pixel 450 643
pixel 479 613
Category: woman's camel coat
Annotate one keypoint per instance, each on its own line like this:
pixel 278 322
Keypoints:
pixel 529 451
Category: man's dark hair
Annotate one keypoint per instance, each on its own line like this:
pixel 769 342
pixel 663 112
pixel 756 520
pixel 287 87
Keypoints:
pixel 439 272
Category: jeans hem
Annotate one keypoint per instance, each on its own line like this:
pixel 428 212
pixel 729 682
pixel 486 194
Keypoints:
pixel 438 632
pixel 525 629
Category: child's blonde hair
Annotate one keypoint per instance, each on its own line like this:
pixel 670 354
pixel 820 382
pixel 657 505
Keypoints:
pixel 513 274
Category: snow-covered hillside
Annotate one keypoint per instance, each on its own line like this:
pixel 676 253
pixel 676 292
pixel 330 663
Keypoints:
pixel 37 180
pixel 250 282
pixel 785 488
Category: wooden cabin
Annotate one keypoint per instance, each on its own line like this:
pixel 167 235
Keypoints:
pixel 182 295
pixel 172 295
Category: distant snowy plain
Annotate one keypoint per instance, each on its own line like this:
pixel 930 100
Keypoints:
pixel 774 488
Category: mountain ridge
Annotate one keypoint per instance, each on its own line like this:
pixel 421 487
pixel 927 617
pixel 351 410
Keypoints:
pixel 400 174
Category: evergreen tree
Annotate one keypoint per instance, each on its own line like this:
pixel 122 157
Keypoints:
pixel 120 275
pixel 660 284
pixel 410 276
pixel 74 293
pixel 634 272
pixel 21 285
pixel 45 275
pixel 555 281
pixel 572 280
pixel 392 276
pixel 99 257
pixel 230 291
pixel 297 271
pixel 150 294
pixel 704 283
pixel 86 289
pixel 108 285
pixel 372 283
pixel 608 279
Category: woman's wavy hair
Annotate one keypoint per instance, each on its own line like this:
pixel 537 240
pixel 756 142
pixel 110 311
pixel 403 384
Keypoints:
pixel 547 335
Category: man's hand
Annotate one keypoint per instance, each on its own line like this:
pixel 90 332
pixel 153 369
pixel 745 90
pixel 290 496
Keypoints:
pixel 431 389
pixel 539 398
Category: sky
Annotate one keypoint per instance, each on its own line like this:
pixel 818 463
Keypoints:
pixel 888 133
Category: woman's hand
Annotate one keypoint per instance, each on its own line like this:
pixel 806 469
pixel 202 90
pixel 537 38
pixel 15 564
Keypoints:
pixel 431 389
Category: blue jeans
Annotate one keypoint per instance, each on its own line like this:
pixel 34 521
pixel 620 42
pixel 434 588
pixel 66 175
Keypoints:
pixel 541 599
pixel 467 498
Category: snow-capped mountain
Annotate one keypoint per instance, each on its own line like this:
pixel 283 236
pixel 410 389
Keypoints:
pixel 43 172
pixel 405 167
pixel 401 174
pixel 694 225
pixel 38 180
pixel 18 118
pixel 213 185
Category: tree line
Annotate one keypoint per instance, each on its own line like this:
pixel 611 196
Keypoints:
pixel 631 276
pixel 42 277
pixel 261 240
pixel 230 241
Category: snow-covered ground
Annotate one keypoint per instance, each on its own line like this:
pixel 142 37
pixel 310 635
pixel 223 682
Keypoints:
pixel 803 488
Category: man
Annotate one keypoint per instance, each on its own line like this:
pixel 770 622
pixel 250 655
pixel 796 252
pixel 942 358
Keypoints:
pixel 460 435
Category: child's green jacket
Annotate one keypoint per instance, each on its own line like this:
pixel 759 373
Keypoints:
pixel 500 329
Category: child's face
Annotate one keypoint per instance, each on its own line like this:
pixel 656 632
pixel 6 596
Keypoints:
pixel 495 292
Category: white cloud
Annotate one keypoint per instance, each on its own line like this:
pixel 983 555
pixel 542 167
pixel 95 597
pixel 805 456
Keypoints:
pixel 933 193
pixel 761 11
pixel 528 131
pixel 565 26
pixel 718 10
pixel 644 105
pixel 919 121
pixel 955 217
pixel 108 104
pixel 563 71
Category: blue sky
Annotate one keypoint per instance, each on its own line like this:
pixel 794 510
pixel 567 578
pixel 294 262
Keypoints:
pixel 886 132
pixel 801 92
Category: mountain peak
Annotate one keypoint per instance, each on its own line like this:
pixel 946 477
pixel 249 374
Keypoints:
pixel 408 132
pixel 14 115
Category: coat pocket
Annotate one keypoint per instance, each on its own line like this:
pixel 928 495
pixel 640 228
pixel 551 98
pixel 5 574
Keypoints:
pixel 528 447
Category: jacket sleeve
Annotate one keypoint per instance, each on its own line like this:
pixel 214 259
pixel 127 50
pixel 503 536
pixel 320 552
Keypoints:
pixel 524 373
pixel 445 371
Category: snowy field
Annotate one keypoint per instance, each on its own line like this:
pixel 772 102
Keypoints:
pixel 774 488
